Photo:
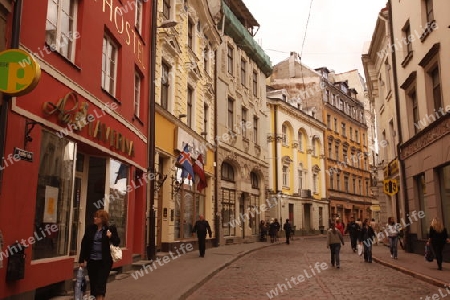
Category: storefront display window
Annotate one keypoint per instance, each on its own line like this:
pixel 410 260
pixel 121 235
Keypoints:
pixel 118 197
pixel 228 212
pixel 444 174
pixel 53 197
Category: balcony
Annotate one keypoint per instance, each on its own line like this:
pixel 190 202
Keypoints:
pixel 241 36
pixel 304 193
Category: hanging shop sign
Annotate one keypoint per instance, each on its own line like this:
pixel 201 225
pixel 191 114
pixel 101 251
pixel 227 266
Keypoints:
pixel 19 72
pixel 390 187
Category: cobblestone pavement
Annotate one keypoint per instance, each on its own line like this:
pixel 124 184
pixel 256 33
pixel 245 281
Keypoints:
pixel 255 275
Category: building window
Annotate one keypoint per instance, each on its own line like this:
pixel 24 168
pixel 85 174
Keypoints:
pixel 205 119
pixel 61 28
pixel 415 111
pixel 285 176
pixel 436 84
pixel 191 28
pixel 367 188
pixel 284 135
pixel 109 65
pixel 360 186
pixel 230 113
pixel 54 195
pixel 300 177
pixel 243 72
pixel 315 183
pixel 255 129
pixel 166 9
pixel 137 94
pixel 344 154
pixel 387 70
pixel 254 180
pixel 429 10
pixel 228 212
pixel 189 110
pixel 357 136
pixel 407 36
pixel 354 185
pixel 300 141
pixel 165 86
pixel 118 200
pixel 335 125
pixel 255 83
pixel 188 206
pixel 331 181
pixel 244 122
pixel 346 184
pixel 230 56
pixel 364 139
pixel 227 172
pixel 138 15
pixel 329 150
pixel 328 121
pixel 328 96
pixel 351 133
pixel 336 151
pixel 343 129
pixel 313 144
pixel 444 176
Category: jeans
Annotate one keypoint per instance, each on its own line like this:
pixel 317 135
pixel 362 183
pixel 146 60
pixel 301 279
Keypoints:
pixel 393 240
pixel 335 248
pixel 353 239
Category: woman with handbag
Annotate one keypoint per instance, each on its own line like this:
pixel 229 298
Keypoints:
pixel 96 254
pixel 437 237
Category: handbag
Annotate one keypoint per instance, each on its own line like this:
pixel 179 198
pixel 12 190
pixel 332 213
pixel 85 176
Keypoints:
pixel 116 252
pixel 360 249
pixel 429 256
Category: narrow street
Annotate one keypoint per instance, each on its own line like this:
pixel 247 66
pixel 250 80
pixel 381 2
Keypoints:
pixel 261 275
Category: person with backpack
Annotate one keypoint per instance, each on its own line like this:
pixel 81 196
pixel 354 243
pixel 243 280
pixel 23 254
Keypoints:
pixel 353 229
pixel 201 227
pixel 287 229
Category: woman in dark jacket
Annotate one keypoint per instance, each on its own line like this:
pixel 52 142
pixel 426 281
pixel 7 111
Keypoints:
pixel 437 237
pixel 367 237
pixel 96 254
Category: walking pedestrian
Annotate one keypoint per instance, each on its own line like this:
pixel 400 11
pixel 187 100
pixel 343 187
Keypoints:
pixel 334 240
pixel 95 252
pixel 262 231
pixel 375 227
pixel 367 238
pixel 339 226
pixel 277 228
pixel 200 228
pixel 287 229
pixel 392 230
pixel 353 229
pixel 437 237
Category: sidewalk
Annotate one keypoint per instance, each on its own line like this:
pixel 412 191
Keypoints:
pixel 413 264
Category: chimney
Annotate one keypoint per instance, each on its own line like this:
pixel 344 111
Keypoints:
pixel 293 57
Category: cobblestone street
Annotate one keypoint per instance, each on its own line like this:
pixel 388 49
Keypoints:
pixel 266 271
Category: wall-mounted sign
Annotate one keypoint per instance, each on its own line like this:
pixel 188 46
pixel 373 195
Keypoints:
pixel 19 72
pixel 390 187
pixel 70 112
pixel 23 155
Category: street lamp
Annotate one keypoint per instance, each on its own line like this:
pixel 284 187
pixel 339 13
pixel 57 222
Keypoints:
pixel 151 246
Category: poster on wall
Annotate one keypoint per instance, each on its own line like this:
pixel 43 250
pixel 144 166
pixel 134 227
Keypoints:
pixel 51 200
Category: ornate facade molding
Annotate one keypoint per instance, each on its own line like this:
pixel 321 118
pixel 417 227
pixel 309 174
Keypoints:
pixel 270 137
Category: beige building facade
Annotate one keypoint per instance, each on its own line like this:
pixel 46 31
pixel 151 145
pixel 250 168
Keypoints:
pixel 242 165
pixel 378 70
pixel 421 44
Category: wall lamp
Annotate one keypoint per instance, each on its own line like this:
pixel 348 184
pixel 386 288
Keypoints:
pixel 168 24
pixel 182 116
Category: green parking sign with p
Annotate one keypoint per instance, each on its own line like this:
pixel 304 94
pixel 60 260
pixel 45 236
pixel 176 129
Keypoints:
pixel 19 72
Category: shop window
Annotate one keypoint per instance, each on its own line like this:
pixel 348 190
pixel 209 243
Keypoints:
pixel 444 175
pixel 228 212
pixel 188 206
pixel 118 197
pixel 53 197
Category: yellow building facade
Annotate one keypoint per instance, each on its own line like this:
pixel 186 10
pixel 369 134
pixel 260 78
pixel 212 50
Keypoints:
pixel 185 116
pixel 296 164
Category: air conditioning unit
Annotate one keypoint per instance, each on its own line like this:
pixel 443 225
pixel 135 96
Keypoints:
pixel 305 193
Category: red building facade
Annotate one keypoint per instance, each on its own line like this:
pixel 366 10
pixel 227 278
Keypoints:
pixel 86 126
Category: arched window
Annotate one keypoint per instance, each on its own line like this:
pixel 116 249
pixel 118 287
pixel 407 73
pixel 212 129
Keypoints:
pixel 254 180
pixel 227 172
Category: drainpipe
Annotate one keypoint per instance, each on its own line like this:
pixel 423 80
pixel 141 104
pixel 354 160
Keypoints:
pixel 15 39
pixel 151 247
pixel 217 215
pixel 400 138
pixel 275 120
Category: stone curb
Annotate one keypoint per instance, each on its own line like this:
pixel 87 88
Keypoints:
pixel 420 276
pixel 220 268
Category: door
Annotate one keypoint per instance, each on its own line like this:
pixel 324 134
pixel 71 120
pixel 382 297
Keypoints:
pixel 307 214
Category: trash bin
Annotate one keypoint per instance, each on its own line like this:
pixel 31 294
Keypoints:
pixel 16 263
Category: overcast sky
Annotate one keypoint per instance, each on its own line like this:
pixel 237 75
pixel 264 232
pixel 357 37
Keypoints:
pixel 335 36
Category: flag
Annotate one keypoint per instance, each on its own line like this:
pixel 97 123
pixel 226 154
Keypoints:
pixel 184 162
pixel 199 170
pixel 121 173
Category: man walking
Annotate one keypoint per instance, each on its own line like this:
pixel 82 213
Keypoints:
pixel 287 229
pixel 201 227
pixel 353 229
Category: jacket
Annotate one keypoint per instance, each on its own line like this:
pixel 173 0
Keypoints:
pixel 334 238
pixel 201 227
pixel 88 241
pixel 438 238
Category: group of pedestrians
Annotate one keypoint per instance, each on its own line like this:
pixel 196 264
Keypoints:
pixel 365 236
pixel 273 227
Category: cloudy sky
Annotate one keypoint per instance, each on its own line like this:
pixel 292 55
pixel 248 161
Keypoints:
pixel 336 33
